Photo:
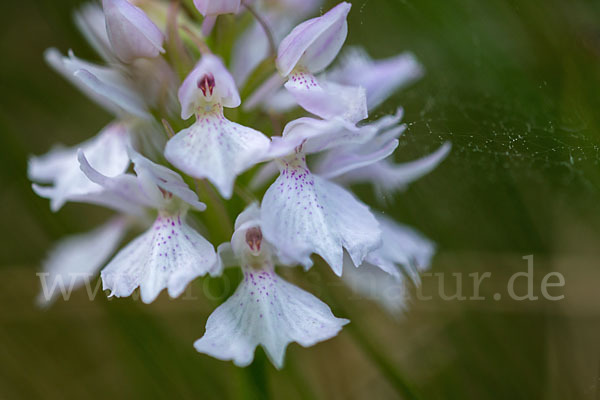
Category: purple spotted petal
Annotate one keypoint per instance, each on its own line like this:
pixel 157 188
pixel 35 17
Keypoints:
pixel 304 214
pixel 131 33
pixel 268 311
pixel 217 149
pixel 167 256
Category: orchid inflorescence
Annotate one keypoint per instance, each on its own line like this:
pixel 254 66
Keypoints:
pixel 148 47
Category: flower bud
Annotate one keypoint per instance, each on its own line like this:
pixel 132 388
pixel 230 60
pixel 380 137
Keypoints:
pixel 131 33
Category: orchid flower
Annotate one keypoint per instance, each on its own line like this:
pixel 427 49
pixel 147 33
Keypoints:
pixel 380 78
pixel 213 147
pixel 309 49
pixel 264 310
pixel 303 213
pixel 253 46
pixel 168 255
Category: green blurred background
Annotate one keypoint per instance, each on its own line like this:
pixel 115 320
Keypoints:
pixel 513 84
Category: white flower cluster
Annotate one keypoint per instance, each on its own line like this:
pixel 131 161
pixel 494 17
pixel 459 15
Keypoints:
pixel 305 211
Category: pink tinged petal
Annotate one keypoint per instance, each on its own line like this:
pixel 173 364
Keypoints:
pixel 314 43
pixel 169 255
pixel 217 7
pixel 281 101
pixel 225 259
pixel 75 260
pixel 265 174
pixel 402 247
pixel 208 83
pixel 122 193
pixel 216 149
pixel 381 277
pixel 265 92
pixel 315 135
pixel 124 99
pixel 304 214
pixel 67 69
pixel 60 167
pixel 268 311
pixel 159 176
pixel 130 31
pixel 249 50
pixel 208 24
pixel 337 163
pixel 91 22
pixel 327 99
pixel 380 78
pixel 376 285
pixel 108 87
pixel 389 177
pixel 343 159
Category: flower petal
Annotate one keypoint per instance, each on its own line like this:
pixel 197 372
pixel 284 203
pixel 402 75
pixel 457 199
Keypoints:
pixel 315 135
pixel 164 178
pixel 217 7
pixel 91 22
pixel 327 99
pixel 76 259
pixel 337 163
pixel 269 311
pixel 374 284
pixel 221 90
pixel 153 187
pixel 303 214
pixel 106 152
pixel 217 149
pixel 169 255
pixel 130 31
pixel 401 246
pixel 314 43
pixel 388 177
pixel 379 277
pixel 127 100
pixel 380 78
pixel 122 193
pixel 381 144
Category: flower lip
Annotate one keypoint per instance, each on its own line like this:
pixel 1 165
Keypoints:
pixel 206 84
pixel 254 239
